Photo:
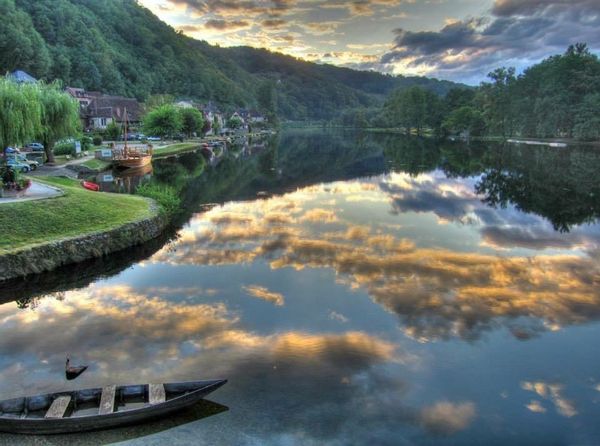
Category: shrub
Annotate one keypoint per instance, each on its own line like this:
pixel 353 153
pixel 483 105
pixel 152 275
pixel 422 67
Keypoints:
pixel 164 195
pixel 11 179
pixel 65 148
pixel 113 131
pixel 97 140
pixel 86 143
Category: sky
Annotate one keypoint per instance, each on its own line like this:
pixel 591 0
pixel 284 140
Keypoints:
pixel 459 40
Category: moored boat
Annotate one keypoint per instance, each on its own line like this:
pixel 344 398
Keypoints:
pixel 99 408
pixel 132 158
pixel 90 186
pixel 128 157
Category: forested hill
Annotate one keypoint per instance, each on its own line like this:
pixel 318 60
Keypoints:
pixel 119 47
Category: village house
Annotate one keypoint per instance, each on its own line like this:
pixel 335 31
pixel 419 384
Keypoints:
pixel 184 104
pixel 211 114
pixel 255 117
pixel 249 116
pixel 82 96
pixel 98 110
pixel 242 114
pixel 104 109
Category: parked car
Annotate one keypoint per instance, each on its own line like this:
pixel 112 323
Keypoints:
pixel 33 164
pixel 154 138
pixel 11 150
pixel 35 147
pixel 17 165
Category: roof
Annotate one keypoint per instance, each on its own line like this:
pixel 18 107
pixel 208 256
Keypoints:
pixel 102 112
pixel 76 92
pixel 210 108
pixel 185 104
pixel 114 107
pixel 242 112
pixel 22 77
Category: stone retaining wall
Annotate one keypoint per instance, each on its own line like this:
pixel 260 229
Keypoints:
pixel 51 255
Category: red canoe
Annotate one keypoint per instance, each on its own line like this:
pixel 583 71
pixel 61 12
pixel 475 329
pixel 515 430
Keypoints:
pixel 91 186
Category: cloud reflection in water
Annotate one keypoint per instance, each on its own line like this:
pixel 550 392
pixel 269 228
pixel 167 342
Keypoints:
pixel 139 334
pixel 525 280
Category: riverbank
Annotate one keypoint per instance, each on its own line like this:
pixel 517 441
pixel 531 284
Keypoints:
pixel 174 149
pixel 39 236
pixel 556 142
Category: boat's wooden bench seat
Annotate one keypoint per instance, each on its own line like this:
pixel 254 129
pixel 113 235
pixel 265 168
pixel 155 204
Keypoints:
pixel 156 394
pixel 58 407
pixel 107 400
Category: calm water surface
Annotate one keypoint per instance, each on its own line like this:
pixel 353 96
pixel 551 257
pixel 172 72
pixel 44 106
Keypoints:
pixel 353 289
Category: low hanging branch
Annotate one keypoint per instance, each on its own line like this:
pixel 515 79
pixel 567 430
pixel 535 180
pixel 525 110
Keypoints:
pixel 35 111
pixel 20 113
pixel 59 119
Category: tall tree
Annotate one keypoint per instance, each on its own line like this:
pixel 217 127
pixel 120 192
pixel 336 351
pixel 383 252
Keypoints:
pixel 20 113
pixel 498 102
pixel 59 116
pixel 163 121
pixel 267 100
pixel 415 108
pixel 21 47
pixel 192 120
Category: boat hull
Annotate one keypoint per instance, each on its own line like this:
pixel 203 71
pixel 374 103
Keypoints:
pixel 44 426
pixel 90 186
pixel 134 162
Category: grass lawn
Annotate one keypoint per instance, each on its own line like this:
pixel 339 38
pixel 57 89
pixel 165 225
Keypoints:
pixel 175 148
pixel 96 164
pixel 78 212
pixel 61 159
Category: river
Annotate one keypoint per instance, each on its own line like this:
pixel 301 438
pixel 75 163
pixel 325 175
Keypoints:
pixel 353 289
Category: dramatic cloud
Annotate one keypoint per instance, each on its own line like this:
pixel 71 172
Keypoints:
pixel 450 39
pixel 228 8
pixel 519 32
pixel 224 25
pixel 273 23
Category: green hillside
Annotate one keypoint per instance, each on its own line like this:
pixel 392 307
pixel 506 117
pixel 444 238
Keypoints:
pixel 119 47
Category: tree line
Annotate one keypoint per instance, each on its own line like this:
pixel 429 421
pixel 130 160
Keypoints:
pixel 559 97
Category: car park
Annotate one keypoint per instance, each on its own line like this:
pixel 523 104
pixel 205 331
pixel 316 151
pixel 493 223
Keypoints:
pixel 33 164
pixel 35 147
pixel 17 165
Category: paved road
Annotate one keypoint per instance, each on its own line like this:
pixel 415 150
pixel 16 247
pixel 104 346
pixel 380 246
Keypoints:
pixel 52 171
pixel 36 191
pixel 59 171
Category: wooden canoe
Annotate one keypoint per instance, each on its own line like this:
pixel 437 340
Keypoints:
pixel 100 408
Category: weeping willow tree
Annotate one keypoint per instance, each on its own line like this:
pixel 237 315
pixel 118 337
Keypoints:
pixel 59 116
pixel 35 111
pixel 20 113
